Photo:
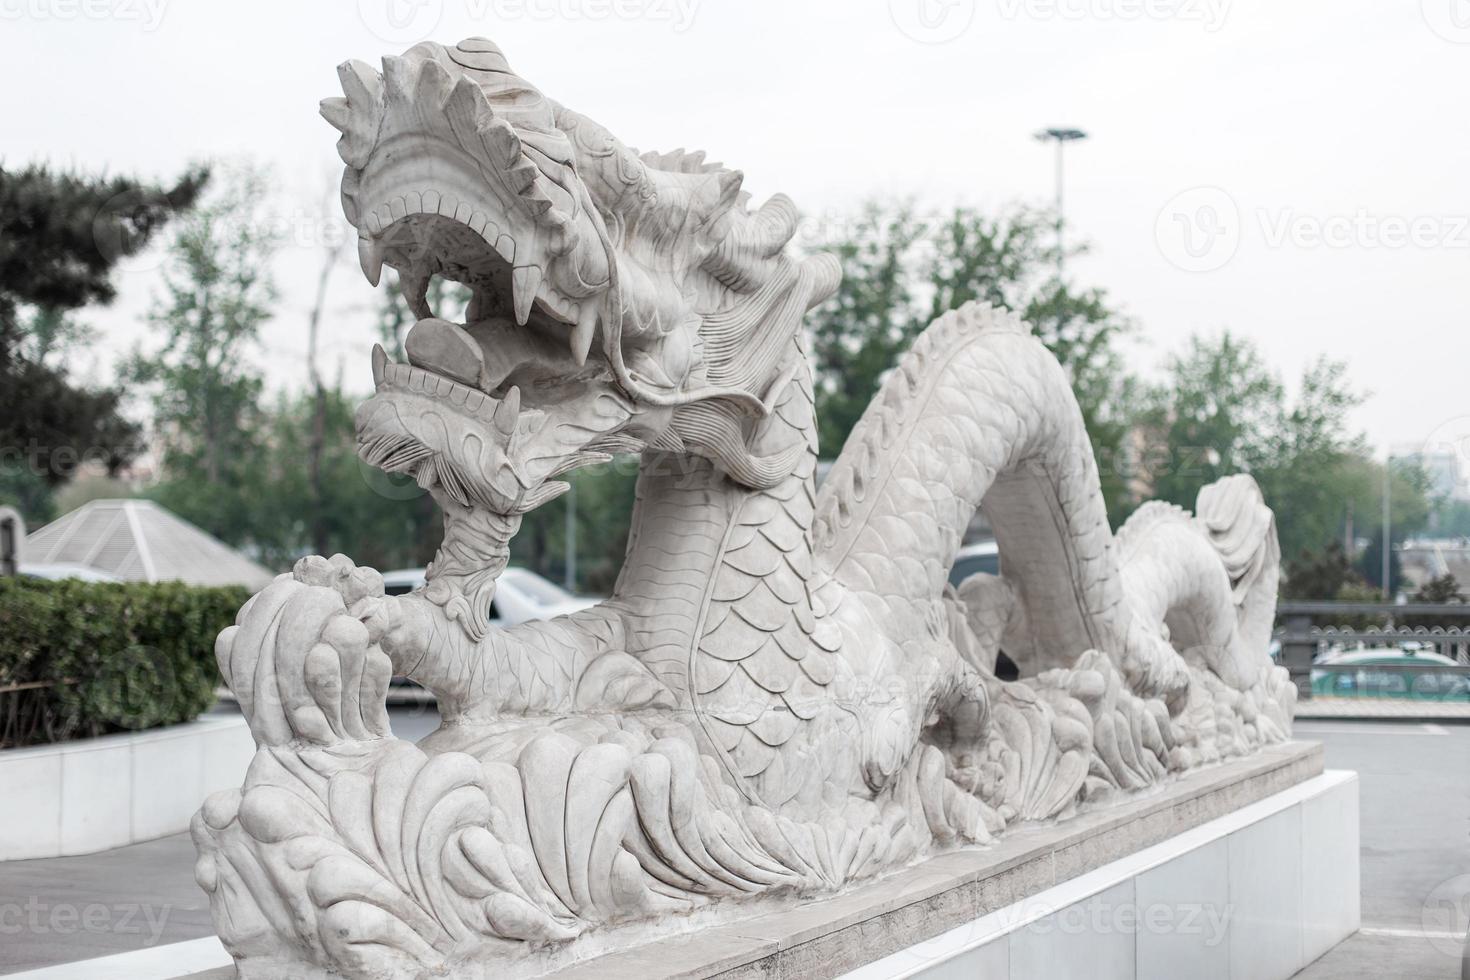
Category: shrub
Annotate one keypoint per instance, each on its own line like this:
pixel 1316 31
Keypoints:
pixel 79 659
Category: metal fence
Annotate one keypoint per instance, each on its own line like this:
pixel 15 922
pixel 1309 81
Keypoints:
pixel 1318 639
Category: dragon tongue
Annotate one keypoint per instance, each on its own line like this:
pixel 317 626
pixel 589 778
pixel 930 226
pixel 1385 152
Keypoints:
pixel 445 349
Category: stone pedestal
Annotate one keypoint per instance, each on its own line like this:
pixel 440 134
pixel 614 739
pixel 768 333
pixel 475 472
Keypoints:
pixel 1247 870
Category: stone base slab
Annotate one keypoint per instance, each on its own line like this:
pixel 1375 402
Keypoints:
pixel 830 937
pixel 1243 870
pixel 1258 894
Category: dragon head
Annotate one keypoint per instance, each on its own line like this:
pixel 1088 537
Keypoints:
pixel 620 301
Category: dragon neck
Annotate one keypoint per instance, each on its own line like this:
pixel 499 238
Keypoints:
pixel 696 533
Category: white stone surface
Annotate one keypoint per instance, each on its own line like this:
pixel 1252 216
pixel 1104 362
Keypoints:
pixel 1331 896
pixel 94 794
pixel 30 785
pixel 989 962
pixel 1189 896
pixel 227 751
pixel 168 768
pixel 1093 939
pixel 1266 897
pixel 784 694
pixel 1253 859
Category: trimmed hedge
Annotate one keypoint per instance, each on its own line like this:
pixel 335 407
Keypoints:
pixel 79 659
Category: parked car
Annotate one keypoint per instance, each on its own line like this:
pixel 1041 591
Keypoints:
pixel 1354 675
pixel 972 558
pixel 54 571
pixel 520 595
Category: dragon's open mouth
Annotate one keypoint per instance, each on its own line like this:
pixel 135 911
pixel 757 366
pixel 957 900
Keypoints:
pixel 618 301
pixel 471 250
pixel 491 409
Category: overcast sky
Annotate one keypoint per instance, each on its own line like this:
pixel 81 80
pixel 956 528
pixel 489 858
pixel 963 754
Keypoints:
pixel 1293 170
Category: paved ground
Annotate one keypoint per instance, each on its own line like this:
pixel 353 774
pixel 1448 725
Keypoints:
pixel 1415 865
pixel 1415 802
pixel 64 909
pixel 1382 709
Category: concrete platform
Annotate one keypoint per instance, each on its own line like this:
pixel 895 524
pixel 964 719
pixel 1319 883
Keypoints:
pixel 829 937
pixel 1027 892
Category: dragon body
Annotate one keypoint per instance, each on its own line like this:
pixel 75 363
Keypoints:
pixel 783 695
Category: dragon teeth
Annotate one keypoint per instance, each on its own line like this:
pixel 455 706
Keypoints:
pixel 380 364
pixel 525 281
pixel 370 256
pixel 508 411
pixel 504 414
pixel 581 341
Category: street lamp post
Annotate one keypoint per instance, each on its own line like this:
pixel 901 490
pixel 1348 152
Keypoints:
pixel 1387 543
pixel 1061 137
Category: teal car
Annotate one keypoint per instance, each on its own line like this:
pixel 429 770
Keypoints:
pixel 1391 673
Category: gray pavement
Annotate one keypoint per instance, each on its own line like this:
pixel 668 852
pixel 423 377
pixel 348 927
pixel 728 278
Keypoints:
pixel 1415 808
pixel 59 910
pixel 1415 866
pixel 63 909
pixel 1381 709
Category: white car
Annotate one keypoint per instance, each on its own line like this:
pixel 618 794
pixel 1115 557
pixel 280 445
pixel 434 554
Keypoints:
pixel 520 595
pixel 55 571
pixel 972 558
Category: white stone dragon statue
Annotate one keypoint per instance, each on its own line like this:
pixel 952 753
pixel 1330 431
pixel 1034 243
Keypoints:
pixel 783 695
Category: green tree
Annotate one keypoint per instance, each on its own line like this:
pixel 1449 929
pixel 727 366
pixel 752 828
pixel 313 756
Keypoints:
pixel 1319 574
pixel 377 518
pixel 1304 466
pixel 902 268
pixel 1409 510
pixel 603 498
pixel 1453 518
pixel 1221 410
pixel 1443 588
pixel 205 388
pixel 1212 416
pixel 61 235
